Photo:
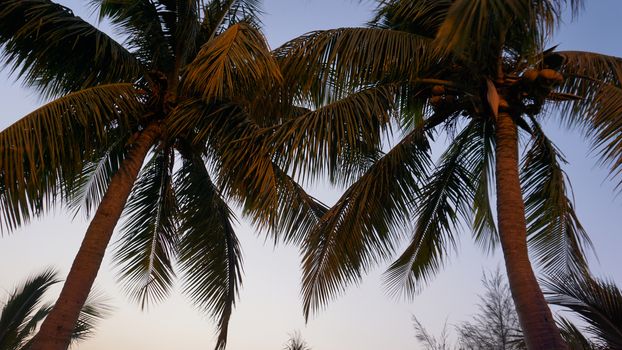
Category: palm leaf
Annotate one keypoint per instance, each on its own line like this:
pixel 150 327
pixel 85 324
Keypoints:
pixel 219 15
pixel 95 309
pixel 298 211
pixel 42 153
pixel 573 336
pixel 325 63
pixel 360 229
pixel 37 34
pixel 87 191
pixel 209 251
pixel 423 17
pixel 555 236
pixel 598 303
pixel 484 226
pixel 234 63
pixel 481 30
pixel 148 245
pixel 186 28
pixel 337 135
pixel 20 305
pixel 597 79
pixel 141 21
pixel 30 327
pixel 585 75
pixel 606 126
pixel 444 199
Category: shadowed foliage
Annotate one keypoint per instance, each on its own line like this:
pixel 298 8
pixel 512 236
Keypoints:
pixel 481 73
pixel 24 309
pixel 597 302
pixel 166 129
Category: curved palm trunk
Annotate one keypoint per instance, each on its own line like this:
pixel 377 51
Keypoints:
pixel 56 330
pixel 533 312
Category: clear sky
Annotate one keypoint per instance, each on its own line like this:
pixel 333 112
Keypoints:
pixel 269 307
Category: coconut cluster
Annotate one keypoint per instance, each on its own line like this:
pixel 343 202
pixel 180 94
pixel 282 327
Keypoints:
pixel 440 97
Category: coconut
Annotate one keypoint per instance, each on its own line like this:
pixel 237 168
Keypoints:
pixel 438 90
pixel 530 74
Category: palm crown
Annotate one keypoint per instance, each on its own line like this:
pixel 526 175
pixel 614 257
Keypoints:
pixel 480 70
pixel 192 77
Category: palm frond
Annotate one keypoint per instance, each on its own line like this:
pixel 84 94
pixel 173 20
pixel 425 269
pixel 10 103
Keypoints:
pixel 331 62
pixel 219 15
pixel 36 35
pixel 148 35
pixel 443 201
pixel 341 134
pixel 87 191
pixel 484 226
pixel 186 26
pixel 148 245
pixel 362 227
pixel 19 307
pixel 555 236
pixel 42 153
pixel 28 330
pixel 597 79
pixel 585 75
pixel 605 132
pixel 598 303
pixel 297 213
pixel 296 342
pixel 423 17
pixel 475 29
pixel 237 153
pixel 482 30
pixel 96 308
pixel 234 63
pixel 573 336
pixel 209 252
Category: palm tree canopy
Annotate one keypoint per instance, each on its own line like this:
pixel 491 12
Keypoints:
pixel 198 72
pixel 440 68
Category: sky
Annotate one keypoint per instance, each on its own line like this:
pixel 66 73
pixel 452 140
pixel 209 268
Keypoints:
pixel 269 307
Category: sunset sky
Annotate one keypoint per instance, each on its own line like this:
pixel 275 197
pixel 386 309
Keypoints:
pixel 270 307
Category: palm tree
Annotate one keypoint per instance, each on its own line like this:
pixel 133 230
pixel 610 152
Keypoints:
pixel 296 342
pixel 479 70
pixel 597 302
pixel 154 120
pixel 23 310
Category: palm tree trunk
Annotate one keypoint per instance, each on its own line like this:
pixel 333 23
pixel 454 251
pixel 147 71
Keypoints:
pixel 533 312
pixel 56 330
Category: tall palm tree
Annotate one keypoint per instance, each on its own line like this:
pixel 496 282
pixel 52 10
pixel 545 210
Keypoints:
pixel 154 120
pixel 23 311
pixel 481 71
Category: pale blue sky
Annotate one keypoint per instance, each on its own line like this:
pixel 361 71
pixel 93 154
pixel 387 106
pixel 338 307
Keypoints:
pixel 364 318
